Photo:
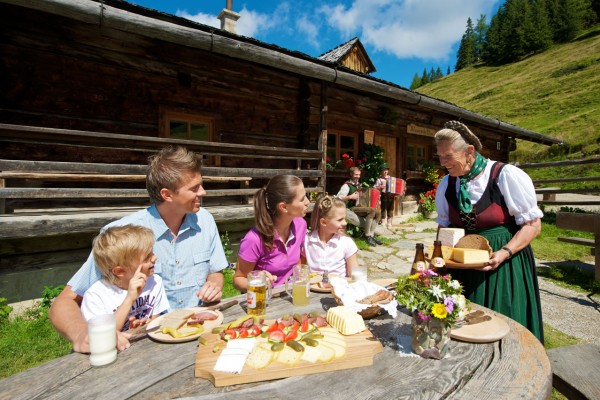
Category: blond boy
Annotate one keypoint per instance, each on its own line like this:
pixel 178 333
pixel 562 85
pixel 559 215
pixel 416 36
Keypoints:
pixel 128 288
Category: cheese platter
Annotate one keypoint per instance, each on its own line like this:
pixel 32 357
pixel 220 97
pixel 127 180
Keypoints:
pixel 360 350
pixel 178 321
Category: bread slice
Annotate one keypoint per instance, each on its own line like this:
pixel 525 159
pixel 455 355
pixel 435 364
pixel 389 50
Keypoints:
pixel 474 242
pixel 260 357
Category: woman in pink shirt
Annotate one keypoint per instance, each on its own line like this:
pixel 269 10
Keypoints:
pixel 275 243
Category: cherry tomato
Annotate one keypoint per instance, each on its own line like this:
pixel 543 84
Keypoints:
pixel 277 336
pixel 305 326
pixel 232 333
pixel 255 330
pixel 291 336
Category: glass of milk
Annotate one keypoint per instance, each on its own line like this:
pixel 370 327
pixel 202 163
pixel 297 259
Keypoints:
pixel 102 334
pixel 359 273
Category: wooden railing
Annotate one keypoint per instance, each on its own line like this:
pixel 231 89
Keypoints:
pixel 572 220
pixel 549 193
pixel 41 171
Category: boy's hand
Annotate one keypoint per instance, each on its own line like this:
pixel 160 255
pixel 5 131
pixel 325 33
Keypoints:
pixel 137 283
pixel 136 323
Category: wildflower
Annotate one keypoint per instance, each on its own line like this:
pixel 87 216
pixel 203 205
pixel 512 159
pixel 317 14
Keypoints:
pixel 439 311
pixel 436 291
pixel 424 317
pixel 449 303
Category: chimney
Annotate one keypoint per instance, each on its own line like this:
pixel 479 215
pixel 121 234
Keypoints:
pixel 228 17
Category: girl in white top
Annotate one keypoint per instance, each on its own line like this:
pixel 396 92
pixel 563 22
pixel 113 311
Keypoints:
pixel 129 289
pixel 327 248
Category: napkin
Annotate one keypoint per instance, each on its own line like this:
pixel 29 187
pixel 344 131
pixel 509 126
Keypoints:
pixel 350 293
pixel 233 357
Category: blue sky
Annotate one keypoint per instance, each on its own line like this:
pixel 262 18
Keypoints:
pixel 402 37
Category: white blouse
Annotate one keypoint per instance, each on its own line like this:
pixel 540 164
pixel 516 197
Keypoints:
pixel 515 185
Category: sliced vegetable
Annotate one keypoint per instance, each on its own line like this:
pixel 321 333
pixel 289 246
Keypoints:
pixel 305 326
pixel 291 336
pixel 295 345
pixel 277 346
pixel 277 336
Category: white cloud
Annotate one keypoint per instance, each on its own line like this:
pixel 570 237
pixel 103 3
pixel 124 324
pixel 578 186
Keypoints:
pixel 206 19
pixel 309 31
pixel 406 28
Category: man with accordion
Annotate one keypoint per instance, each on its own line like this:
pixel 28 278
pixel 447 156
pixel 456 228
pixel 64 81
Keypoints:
pixel 362 205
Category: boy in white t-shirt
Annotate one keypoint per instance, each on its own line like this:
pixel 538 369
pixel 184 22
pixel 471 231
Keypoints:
pixel 128 288
pixel 327 248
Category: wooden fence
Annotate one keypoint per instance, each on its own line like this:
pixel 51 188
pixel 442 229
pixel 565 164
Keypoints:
pixel 572 220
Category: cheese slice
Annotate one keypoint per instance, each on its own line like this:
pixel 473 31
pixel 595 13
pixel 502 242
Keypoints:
pixel 450 236
pixel 327 353
pixel 311 354
pixel 346 321
pixel 470 256
pixel 288 356
pixel 339 348
pixel 260 357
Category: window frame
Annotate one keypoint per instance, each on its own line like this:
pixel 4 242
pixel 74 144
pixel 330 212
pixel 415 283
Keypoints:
pixel 338 150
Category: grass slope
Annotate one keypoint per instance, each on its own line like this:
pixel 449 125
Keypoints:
pixel 555 93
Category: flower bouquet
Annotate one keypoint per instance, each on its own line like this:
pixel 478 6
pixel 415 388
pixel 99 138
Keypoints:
pixel 436 302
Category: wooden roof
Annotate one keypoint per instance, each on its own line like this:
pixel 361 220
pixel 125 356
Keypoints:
pixel 351 54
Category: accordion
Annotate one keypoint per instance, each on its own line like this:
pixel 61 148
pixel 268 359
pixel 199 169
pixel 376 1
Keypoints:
pixel 396 186
pixel 369 198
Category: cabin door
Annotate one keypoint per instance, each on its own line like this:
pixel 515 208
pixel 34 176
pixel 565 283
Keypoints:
pixel 389 143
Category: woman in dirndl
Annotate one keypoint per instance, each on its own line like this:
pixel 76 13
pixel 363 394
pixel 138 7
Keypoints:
pixel 498 202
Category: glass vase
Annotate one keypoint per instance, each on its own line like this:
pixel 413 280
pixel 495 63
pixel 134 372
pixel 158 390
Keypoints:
pixel 430 338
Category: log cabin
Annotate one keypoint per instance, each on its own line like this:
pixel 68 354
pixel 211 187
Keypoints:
pixel 108 82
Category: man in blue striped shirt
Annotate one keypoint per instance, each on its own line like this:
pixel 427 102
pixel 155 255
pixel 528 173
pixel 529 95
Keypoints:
pixel 188 248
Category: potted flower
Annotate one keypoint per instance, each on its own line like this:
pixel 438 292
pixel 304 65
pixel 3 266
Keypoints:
pixel 427 202
pixel 436 303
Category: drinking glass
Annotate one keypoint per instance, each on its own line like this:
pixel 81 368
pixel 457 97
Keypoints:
pixel 102 336
pixel 300 280
pixel 259 292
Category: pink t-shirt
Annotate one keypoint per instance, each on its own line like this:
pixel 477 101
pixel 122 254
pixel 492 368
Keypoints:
pixel 282 258
pixel 330 258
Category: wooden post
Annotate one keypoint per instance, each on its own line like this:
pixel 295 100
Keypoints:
pixel 584 223
pixel 323 148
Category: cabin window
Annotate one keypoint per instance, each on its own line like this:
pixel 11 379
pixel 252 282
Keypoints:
pixel 339 143
pixel 416 157
pixel 187 126
pixel 177 125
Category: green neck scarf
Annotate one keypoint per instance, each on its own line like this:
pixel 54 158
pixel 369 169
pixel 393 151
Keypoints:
pixel 464 202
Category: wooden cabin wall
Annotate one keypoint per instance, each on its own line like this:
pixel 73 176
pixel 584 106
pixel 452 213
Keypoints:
pixel 61 73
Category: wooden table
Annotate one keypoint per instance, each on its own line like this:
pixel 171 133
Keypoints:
pixel 515 367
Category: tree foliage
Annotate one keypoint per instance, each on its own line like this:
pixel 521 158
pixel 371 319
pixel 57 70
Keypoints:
pixel 519 28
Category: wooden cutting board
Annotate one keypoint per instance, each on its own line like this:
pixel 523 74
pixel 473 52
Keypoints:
pixel 483 332
pixel 360 350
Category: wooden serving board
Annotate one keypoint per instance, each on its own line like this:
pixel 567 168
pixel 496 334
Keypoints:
pixel 360 350
pixel 483 332
pixel 457 265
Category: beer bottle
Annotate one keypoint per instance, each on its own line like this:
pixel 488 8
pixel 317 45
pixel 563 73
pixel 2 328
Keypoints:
pixel 419 264
pixel 437 259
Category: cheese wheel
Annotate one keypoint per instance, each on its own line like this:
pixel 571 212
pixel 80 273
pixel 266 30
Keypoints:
pixel 470 256
pixel 346 321
pixel 450 236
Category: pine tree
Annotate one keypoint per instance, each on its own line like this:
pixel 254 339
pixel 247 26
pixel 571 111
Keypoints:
pixel 416 82
pixel 438 73
pixel 466 50
pixel 425 79
pixel 540 35
pixel 448 71
pixel 568 17
pixel 480 33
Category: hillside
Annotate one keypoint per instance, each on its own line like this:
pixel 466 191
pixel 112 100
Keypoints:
pixel 555 93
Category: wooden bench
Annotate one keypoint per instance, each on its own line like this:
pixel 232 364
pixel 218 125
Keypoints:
pixel 58 187
pixel 576 371
pixel 584 223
